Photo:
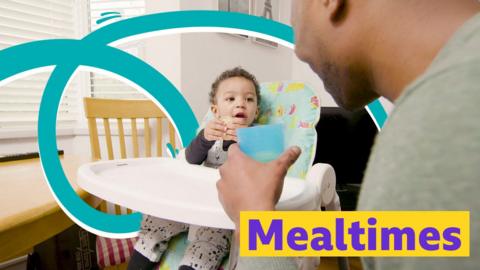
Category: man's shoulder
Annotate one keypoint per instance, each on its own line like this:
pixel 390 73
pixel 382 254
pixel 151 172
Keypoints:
pixel 449 87
pixel 432 132
pixel 454 69
pixel 427 155
pixel 442 108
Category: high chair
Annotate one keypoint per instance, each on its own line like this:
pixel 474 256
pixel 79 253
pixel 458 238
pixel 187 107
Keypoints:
pixel 297 107
pixel 114 253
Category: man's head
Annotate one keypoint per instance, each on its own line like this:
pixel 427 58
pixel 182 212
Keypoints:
pixel 328 36
pixel 235 94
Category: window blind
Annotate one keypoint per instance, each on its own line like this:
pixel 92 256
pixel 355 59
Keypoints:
pixel 25 21
pixel 104 86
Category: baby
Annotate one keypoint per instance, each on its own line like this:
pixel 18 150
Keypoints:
pixel 234 100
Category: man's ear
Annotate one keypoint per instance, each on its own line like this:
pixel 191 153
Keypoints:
pixel 335 8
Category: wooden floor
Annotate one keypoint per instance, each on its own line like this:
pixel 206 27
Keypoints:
pixel 331 263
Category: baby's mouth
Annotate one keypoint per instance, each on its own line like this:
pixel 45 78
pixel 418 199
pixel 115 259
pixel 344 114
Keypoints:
pixel 240 115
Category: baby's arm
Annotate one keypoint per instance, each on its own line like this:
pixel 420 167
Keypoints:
pixel 197 151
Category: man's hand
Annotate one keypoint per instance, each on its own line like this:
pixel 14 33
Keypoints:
pixel 249 185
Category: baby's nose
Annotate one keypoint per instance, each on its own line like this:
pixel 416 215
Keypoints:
pixel 241 103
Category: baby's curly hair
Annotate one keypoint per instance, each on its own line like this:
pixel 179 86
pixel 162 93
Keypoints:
pixel 235 72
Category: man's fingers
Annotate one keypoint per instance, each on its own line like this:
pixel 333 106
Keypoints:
pixel 289 157
pixel 221 170
pixel 233 151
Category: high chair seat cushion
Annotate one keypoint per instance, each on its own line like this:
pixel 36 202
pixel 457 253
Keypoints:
pixel 297 107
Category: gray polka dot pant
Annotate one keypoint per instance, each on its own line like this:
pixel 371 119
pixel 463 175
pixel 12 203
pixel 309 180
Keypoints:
pixel 205 252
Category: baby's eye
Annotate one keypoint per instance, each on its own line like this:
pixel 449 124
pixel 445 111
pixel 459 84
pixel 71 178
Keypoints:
pixel 230 99
pixel 250 99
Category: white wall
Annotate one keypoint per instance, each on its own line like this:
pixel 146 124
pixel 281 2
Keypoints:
pixel 206 55
pixel 192 61
pixel 164 52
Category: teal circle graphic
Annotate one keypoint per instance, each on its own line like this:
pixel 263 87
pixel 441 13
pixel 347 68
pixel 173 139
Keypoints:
pixel 93 51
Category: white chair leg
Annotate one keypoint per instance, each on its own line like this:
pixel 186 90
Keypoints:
pixel 322 177
pixel 334 205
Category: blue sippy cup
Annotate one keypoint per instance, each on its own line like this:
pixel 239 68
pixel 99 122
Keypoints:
pixel 263 143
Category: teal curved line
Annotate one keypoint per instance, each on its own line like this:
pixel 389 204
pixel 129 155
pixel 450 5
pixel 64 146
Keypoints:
pixel 110 13
pixel 378 112
pixel 72 53
pixel 99 21
pixel 173 151
pixel 55 174
pixel 51 52
pixel 31 55
pixel 185 19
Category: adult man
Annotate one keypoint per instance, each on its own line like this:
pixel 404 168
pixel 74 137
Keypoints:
pixel 424 56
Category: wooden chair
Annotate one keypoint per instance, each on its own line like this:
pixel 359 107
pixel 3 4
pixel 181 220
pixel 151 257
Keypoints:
pixel 119 110
pixel 108 250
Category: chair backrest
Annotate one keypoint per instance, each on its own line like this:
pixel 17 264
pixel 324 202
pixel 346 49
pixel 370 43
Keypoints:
pixel 120 110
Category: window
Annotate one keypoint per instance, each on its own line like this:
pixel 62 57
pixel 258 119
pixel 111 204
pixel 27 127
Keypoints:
pixel 24 21
pixel 104 86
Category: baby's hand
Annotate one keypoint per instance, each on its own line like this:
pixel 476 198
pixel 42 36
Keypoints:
pixel 232 125
pixel 215 130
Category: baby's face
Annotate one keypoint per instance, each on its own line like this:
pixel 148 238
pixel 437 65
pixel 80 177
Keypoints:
pixel 236 98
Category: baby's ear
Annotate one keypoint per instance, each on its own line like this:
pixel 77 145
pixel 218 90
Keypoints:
pixel 214 108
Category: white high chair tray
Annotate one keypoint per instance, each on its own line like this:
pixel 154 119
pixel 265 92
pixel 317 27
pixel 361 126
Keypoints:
pixel 175 190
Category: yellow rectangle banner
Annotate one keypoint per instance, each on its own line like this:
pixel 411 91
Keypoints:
pixel 358 233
